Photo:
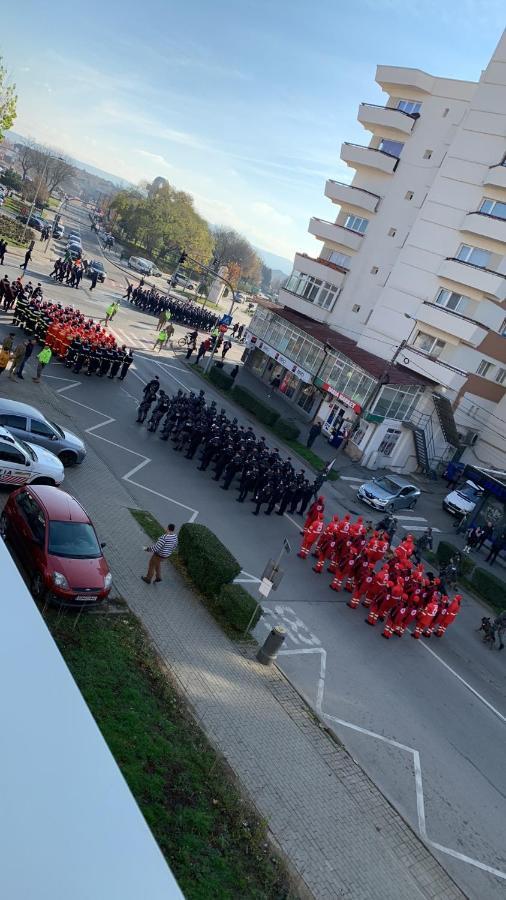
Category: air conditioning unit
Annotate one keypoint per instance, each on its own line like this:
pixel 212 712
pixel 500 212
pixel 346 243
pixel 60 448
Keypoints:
pixel 470 438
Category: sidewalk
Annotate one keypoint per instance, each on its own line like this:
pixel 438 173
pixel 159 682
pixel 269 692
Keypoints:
pixel 340 835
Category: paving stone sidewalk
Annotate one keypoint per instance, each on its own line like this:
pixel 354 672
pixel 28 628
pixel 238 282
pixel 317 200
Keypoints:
pixel 340 835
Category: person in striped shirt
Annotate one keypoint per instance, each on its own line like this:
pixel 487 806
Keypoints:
pixel 160 550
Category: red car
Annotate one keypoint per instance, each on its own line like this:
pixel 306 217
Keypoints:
pixel 57 545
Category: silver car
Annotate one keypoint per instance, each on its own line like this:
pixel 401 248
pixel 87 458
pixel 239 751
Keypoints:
pixel 389 493
pixel 29 424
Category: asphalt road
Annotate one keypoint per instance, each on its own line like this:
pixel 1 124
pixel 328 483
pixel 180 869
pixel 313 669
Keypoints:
pixel 425 720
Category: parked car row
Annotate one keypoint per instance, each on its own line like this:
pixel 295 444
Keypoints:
pixel 51 534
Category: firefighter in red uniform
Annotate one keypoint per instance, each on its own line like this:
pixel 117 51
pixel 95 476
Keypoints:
pixel 311 535
pixel 446 617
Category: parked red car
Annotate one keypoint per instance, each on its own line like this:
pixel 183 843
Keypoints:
pixel 56 543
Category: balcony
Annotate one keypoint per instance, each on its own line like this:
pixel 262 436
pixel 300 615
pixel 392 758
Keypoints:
pixel 395 79
pixel 496 176
pixel 438 371
pixel 337 235
pixel 320 268
pixel 487 226
pixel 491 283
pixel 303 306
pixel 386 120
pixel 357 156
pixel 348 195
pixel 449 322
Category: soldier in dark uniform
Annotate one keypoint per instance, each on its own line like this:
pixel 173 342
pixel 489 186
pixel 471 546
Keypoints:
pixel 263 495
pixel 159 411
pixel 290 491
pixel 306 492
pixel 72 352
pixel 105 362
pixel 81 356
pixel 231 468
pixel 248 480
pixel 223 458
pixel 125 364
pixel 117 358
pixel 278 490
pixel 211 449
pixel 93 361
pixel 20 311
pixel 196 436
pixel 149 398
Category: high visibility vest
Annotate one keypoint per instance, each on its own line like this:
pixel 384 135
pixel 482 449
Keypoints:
pixel 44 356
pixel 162 336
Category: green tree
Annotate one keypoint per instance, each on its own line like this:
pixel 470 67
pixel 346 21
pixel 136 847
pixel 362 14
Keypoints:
pixel 8 102
pixel 230 246
pixel 11 180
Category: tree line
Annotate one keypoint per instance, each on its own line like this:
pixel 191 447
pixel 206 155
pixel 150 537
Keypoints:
pixel 158 218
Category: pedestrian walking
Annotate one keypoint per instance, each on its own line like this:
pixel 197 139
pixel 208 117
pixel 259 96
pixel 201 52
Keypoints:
pixel 314 431
pixel 94 279
pixel 160 340
pixel 486 534
pixel 24 264
pixel 17 358
pixel 234 373
pixel 497 545
pixel 226 347
pixel 160 550
pixel 111 311
pixel 29 348
pixel 3 250
pixel 44 358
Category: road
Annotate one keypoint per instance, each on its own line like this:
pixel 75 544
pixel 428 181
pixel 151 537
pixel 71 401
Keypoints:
pixel 426 721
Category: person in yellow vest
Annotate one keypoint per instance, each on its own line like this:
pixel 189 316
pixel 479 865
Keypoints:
pixel 111 311
pixel 43 358
pixel 161 339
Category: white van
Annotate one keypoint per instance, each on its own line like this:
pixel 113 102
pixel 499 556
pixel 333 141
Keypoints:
pixel 144 266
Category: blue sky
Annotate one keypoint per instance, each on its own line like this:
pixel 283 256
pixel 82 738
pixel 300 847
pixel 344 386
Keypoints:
pixel 244 104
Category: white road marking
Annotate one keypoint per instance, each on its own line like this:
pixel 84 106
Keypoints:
pixel 145 460
pixel 411 518
pixel 350 478
pixel 419 528
pixel 250 579
pixel 464 682
pixel 417 767
pixel 298 525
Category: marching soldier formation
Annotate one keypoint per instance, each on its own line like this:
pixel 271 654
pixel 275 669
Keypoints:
pixel 182 311
pixel 236 457
pixel 400 593
pixel 82 343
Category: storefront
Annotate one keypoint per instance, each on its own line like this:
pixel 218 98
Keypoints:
pixel 282 375
pixel 337 410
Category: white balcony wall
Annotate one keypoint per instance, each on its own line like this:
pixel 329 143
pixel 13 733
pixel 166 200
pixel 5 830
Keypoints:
pixel 301 305
pixel 496 176
pixel 490 283
pixel 450 324
pixel 493 230
pixel 337 235
pixel 351 197
pixel 386 121
pixel 319 269
pixel 357 157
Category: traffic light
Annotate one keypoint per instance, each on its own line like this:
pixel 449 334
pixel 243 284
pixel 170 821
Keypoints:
pixel 182 258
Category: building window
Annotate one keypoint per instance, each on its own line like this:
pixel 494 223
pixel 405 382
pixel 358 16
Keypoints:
pixel 501 376
pixel 355 307
pixel 396 402
pixel 389 441
pixel 484 368
pixel 427 154
pixel 451 300
pixel 356 223
pixel 392 232
pixel 312 289
pixel 409 106
pixel 334 256
pixel 393 148
pixel 409 195
pixel 428 344
pixel 474 255
pixel 493 208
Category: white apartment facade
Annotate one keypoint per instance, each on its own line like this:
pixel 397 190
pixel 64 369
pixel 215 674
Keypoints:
pixel 401 317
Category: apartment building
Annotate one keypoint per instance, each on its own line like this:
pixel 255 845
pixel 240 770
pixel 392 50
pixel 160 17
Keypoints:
pixel 398 321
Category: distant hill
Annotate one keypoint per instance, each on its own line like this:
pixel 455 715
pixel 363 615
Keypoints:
pixel 99 173
pixel 281 267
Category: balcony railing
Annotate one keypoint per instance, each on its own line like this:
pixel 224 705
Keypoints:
pixel 393 108
pixel 471 265
pixel 325 262
pixel 382 154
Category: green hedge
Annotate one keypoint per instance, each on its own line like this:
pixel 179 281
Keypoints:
pixel 10 228
pixel 287 430
pixel 237 606
pixel 207 560
pixel 445 551
pixel 489 587
pixel 263 413
pixel 221 379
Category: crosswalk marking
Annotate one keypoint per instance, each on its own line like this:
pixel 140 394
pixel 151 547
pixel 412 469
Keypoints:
pixel 351 478
pixel 412 518
pixel 418 528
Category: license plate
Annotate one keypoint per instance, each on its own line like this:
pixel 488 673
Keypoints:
pixel 85 598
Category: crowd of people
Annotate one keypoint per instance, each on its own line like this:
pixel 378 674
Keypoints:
pixel 237 458
pixel 182 310
pixel 399 593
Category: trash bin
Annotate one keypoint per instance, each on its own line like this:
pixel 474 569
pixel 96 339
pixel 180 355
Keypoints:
pixel 273 642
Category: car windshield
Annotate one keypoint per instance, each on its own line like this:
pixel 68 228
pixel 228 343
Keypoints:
pixel 73 540
pixel 468 492
pixel 386 484
pixel 26 447
pixel 57 428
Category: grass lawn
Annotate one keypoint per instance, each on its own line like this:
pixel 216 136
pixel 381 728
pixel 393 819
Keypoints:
pixel 213 841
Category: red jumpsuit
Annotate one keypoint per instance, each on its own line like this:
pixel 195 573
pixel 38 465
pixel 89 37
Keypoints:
pixel 379 582
pixel 315 510
pixel 363 579
pixel 325 550
pixel 425 617
pixel 329 532
pixel 447 616
pixel 399 597
pixel 311 535
pixel 344 570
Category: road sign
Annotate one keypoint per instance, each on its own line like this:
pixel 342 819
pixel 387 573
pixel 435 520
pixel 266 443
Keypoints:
pixel 226 320
pixel 265 587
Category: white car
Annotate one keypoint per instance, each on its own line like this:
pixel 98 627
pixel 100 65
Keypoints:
pixel 462 501
pixel 24 463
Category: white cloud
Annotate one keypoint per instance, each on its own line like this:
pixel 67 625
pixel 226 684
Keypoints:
pixel 266 211
pixel 154 157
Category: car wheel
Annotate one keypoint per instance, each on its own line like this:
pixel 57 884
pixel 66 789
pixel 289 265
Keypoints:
pixel 37 587
pixel 3 527
pixel 49 481
pixel 412 504
pixel 67 458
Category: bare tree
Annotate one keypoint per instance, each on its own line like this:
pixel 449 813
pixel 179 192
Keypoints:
pixel 232 247
pixel 59 171
pixel 26 158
